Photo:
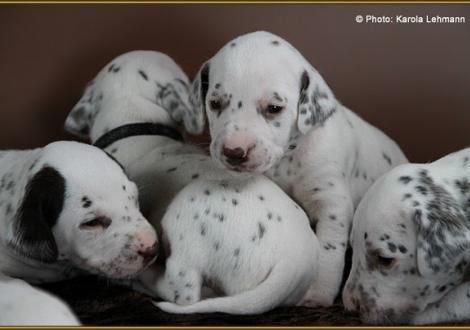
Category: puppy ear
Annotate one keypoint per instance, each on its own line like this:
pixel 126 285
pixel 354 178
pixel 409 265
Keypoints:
pixel 316 101
pixel 198 94
pixel 41 206
pixel 174 98
pixel 442 235
pixel 80 119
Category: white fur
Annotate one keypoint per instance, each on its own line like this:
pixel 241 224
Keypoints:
pixel 23 305
pixel 161 167
pixel 336 158
pixel 243 238
pixel 418 215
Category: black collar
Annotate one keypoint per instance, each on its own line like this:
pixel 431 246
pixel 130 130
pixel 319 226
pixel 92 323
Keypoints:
pixel 136 129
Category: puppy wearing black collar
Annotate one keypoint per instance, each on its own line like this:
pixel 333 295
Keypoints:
pixel 134 109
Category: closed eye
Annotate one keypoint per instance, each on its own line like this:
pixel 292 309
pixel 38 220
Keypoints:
pixel 96 223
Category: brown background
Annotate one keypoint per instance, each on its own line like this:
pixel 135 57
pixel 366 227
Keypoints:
pixel 411 80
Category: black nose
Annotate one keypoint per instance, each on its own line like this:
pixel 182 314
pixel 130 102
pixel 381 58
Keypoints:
pixel 149 254
pixel 235 156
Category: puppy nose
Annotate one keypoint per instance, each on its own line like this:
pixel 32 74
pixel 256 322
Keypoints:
pixel 149 253
pixel 235 156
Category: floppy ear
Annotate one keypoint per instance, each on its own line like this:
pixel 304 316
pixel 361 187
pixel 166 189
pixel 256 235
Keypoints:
pixel 442 236
pixel 198 94
pixel 80 119
pixel 174 98
pixel 38 213
pixel 316 101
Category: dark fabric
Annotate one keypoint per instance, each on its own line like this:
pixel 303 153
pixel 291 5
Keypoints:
pixel 99 302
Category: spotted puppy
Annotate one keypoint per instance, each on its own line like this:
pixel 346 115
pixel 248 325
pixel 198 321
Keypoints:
pixel 133 109
pixel 245 239
pixel 23 305
pixel 67 208
pixel 411 245
pixel 271 112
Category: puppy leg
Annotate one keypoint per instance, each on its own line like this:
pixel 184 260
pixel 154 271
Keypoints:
pixel 453 307
pixel 327 202
pixel 176 283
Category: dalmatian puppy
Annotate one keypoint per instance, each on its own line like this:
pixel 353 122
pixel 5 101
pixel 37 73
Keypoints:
pixel 69 208
pixel 21 305
pixel 229 235
pixel 128 104
pixel 133 109
pixel 271 112
pixel 411 245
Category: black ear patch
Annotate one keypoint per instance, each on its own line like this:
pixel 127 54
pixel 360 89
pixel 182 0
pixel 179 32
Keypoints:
pixel 42 204
pixel 204 83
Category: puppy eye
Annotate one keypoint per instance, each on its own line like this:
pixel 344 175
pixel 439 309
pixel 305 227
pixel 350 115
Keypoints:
pixel 96 223
pixel 273 109
pixel 215 105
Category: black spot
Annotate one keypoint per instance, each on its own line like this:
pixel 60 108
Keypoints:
pixel 332 217
pixel 406 196
pixel 143 75
pixel 233 44
pixel 275 43
pixel 392 247
pixel 387 158
pixel 195 176
pixel 277 124
pixel 422 190
pixel 261 230
pixel 171 170
pixel 402 249
pixel 261 197
pixel 365 235
pixel 203 229
pixel 217 86
pixel 240 104
pixel 124 188
pixel 405 179
pixel 270 216
pixel 234 202
pixel 207 192
pixel 216 246
pixel 86 202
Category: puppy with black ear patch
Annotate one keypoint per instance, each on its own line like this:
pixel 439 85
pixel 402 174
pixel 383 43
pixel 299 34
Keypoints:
pixel 68 208
pixel 411 245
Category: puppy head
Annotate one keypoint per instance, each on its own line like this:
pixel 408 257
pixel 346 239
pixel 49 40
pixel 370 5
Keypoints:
pixel 80 207
pixel 139 86
pixel 259 95
pixel 410 238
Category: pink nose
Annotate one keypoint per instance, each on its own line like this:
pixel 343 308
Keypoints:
pixel 236 156
pixel 149 253
pixel 146 238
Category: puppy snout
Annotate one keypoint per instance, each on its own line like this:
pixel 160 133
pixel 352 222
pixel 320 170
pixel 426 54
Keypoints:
pixel 150 253
pixel 235 156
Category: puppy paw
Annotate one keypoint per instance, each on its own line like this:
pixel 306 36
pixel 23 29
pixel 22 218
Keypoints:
pixel 169 307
